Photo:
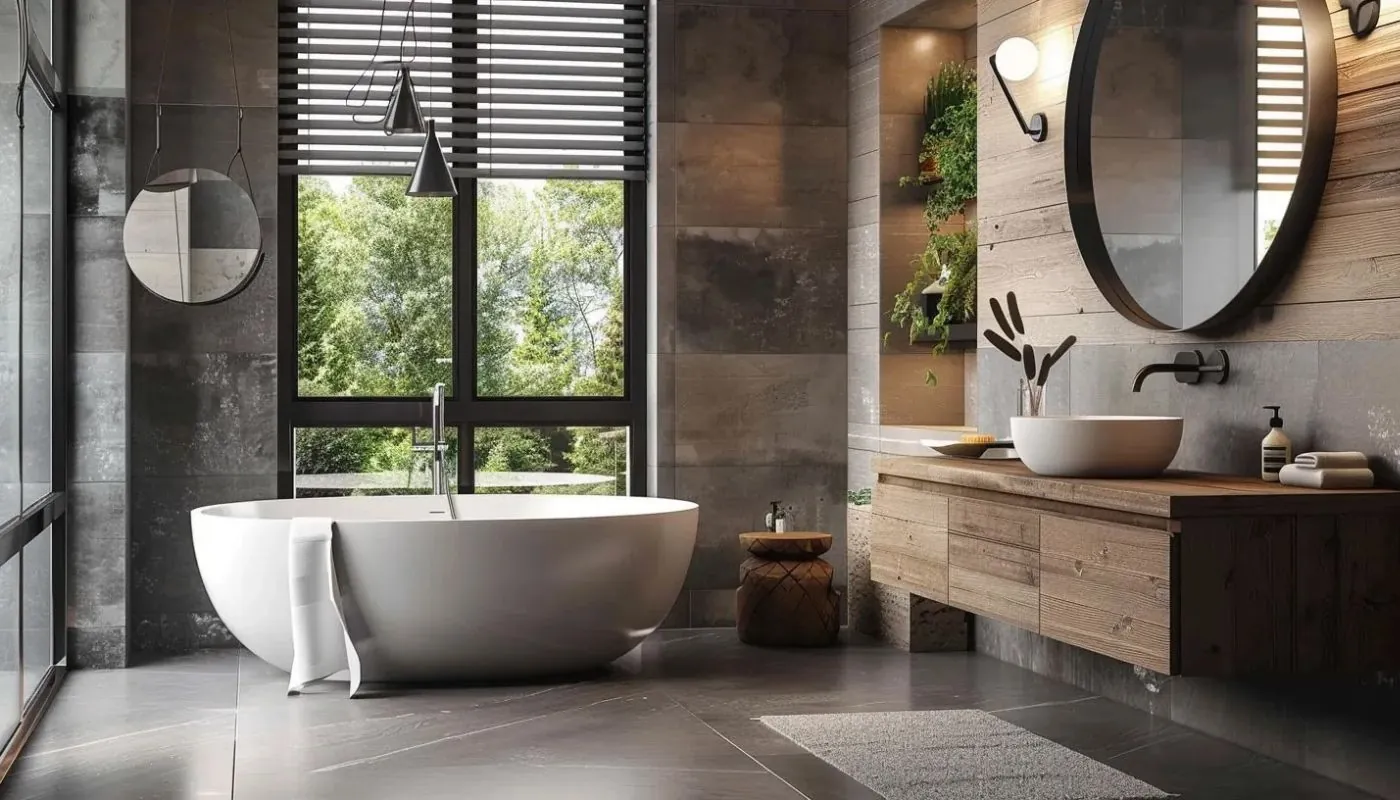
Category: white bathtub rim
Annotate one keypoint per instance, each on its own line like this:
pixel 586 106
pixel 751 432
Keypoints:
pixel 568 507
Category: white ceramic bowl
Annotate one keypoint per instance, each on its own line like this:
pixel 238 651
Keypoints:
pixel 1097 447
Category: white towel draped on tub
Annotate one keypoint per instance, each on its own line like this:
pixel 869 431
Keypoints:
pixel 321 641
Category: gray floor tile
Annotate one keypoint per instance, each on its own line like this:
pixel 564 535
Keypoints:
pixel 674 720
pixel 166 731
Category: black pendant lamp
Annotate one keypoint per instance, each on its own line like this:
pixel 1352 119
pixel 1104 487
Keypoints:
pixel 403 115
pixel 431 176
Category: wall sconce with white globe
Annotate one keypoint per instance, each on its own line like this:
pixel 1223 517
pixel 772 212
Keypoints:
pixel 1015 60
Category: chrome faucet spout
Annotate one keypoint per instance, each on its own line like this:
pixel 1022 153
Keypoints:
pixel 439 438
pixel 438 443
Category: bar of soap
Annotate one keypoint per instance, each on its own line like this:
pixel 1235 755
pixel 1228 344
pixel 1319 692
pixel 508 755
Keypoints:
pixel 977 438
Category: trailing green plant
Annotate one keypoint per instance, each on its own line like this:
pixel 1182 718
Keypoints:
pixel 859 497
pixel 949 260
pixel 949 145
pixel 953 145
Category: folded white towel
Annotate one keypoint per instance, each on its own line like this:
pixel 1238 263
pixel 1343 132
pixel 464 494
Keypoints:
pixel 1295 475
pixel 321 643
pixel 1347 460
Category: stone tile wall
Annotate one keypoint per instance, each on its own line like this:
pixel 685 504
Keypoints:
pixel 748 238
pixel 98 516
pixel 203 378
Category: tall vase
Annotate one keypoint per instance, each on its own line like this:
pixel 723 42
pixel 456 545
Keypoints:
pixel 1032 399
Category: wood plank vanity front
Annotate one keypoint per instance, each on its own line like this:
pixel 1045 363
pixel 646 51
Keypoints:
pixel 1186 574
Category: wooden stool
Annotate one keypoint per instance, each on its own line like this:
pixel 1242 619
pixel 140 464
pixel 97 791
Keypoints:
pixel 785 594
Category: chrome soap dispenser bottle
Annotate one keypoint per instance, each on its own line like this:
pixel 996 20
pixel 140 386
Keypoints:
pixel 1276 450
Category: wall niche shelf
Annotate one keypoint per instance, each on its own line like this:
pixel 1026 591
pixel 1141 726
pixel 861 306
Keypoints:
pixel 1189 574
pixel 961 336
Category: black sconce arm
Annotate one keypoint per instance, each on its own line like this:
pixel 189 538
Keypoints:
pixel 1362 15
pixel 1039 126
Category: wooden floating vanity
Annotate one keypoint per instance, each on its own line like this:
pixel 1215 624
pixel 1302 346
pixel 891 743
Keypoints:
pixel 1188 574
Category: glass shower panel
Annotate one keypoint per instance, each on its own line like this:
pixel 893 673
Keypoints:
pixel 36 341
pixel 10 283
pixel 37 608
pixel 11 702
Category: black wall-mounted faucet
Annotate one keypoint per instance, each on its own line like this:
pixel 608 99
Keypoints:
pixel 1190 366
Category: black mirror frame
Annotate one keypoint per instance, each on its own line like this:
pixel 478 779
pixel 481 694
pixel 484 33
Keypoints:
pixel 239 288
pixel 1318 134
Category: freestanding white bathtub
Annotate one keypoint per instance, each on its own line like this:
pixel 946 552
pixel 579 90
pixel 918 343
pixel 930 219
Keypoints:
pixel 518 586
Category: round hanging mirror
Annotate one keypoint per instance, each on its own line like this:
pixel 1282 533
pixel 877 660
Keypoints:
pixel 193 236
pixel 1198 136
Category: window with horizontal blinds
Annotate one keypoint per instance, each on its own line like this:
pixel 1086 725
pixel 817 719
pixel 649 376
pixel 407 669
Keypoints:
pixel 1281 101
pixel 518 88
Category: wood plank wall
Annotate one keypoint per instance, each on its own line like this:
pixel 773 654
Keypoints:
pixel 1347 283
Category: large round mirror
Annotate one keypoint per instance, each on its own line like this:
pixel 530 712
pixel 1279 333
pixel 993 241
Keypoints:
pixel 193 236
pixel 1198 135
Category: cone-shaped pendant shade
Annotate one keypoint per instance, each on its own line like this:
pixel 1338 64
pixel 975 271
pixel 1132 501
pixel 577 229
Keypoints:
pixel 404 115
pixel 432 178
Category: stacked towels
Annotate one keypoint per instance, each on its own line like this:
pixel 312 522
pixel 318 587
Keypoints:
pixel 1329 471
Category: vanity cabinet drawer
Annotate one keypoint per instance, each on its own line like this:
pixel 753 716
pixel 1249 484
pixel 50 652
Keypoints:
pixel 1107 588
pixel 1120 548
pixel 911 504
pixel 995 522
pixel 910 555
pixel 995 579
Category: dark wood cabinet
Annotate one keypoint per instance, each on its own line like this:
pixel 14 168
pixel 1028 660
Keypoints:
pixel 1187 574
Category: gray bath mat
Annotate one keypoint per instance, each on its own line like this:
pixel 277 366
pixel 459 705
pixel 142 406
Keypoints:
pixel 955 755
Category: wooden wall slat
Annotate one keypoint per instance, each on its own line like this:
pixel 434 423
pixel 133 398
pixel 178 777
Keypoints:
pixel 1361 152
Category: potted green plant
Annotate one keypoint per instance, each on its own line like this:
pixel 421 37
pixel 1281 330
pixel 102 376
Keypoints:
pixel 939 304
pixel 953 87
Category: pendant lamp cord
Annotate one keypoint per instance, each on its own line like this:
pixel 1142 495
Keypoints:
pixel 238 98
pixel 374 67
pixel 160 87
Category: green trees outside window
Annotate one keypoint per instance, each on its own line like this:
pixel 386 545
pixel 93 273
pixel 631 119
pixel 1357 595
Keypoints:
pixel 375 297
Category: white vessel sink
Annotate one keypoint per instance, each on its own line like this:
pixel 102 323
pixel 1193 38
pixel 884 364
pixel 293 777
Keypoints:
pixel 1097 447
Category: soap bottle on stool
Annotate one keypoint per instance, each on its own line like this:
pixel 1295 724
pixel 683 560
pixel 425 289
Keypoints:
pixel 1276 450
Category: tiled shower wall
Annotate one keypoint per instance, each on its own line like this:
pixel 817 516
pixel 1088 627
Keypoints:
pixel 748 237
pixel 203 379
pixel 98 619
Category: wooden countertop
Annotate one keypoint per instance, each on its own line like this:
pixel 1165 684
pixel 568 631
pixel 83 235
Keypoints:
pixel 1175 495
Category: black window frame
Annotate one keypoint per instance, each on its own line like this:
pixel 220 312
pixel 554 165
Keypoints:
pixel 46 72
pixel 465 409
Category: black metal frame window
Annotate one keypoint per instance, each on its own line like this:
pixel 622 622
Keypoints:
pixel 542 93
pixel 33 552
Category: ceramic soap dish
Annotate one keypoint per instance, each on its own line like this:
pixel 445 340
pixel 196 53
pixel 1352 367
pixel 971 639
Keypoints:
pixel 991 451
